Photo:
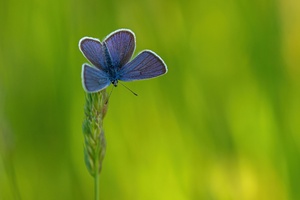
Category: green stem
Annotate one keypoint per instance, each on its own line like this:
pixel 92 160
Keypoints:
pixel 96 175
pixel 96 182
pixel 94 139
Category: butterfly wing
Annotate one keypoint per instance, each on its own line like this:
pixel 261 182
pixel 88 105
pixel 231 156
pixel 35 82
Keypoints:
pixel 92 49
pixel 93 79
pixel 121 45
pixel 144 66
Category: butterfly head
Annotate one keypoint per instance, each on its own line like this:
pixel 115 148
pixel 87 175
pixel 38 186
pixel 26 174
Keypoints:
pixel 115 83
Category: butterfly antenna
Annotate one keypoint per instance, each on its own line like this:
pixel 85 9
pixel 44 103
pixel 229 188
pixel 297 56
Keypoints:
pixel 109 95
pixel 129 89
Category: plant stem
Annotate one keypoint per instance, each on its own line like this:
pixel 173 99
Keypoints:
pixel 96 182
pixel 94 139
pixel 96 175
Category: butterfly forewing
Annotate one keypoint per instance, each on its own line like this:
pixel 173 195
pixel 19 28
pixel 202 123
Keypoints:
pixel 93 79
pixel 144 66
pixel 93 51
pixel 121 45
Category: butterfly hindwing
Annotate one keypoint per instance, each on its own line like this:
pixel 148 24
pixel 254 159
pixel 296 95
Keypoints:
pixel 144 66
pixel 93 79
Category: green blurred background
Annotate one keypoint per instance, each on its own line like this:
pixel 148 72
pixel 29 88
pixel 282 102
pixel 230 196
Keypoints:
pixel 222 124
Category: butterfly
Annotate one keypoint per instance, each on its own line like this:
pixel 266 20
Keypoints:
pixel 111 63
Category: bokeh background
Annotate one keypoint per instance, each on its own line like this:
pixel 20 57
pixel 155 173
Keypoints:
pixel 222 124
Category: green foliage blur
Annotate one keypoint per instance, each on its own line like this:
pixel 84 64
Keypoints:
pixel 222 124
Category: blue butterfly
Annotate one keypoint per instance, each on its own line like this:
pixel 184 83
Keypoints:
pixel 111 59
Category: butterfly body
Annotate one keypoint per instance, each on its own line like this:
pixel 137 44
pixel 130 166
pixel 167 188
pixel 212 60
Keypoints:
pixel 111 68
pixel 111 60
